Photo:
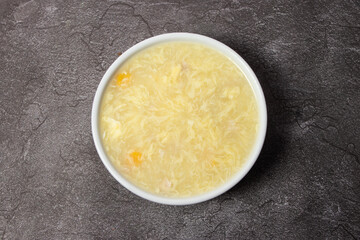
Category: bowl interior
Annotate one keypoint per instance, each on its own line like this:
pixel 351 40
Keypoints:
pixel 250 76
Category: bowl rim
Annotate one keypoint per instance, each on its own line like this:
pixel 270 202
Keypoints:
pixel 181 37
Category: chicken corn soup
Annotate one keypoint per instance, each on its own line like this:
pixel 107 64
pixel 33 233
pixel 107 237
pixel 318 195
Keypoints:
pixel 178 119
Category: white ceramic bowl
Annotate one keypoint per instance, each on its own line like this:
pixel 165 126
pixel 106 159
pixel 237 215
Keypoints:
pixel 213 44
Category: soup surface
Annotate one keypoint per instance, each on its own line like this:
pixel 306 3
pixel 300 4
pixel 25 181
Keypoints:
pixel 178 119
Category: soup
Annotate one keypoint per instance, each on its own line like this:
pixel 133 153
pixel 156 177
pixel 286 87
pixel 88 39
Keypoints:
pixel 178 119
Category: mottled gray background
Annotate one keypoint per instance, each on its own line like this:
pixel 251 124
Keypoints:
pixel 306 183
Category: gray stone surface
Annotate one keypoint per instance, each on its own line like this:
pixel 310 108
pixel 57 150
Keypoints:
pixel 306 183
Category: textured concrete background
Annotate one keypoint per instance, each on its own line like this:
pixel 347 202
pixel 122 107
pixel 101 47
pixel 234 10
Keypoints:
pixel 306 183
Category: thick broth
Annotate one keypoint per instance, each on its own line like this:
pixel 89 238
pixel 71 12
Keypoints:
pixel 178 119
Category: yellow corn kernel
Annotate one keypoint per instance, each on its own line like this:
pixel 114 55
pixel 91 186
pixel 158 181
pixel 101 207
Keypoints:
pixel 136 158
pixel 123 79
